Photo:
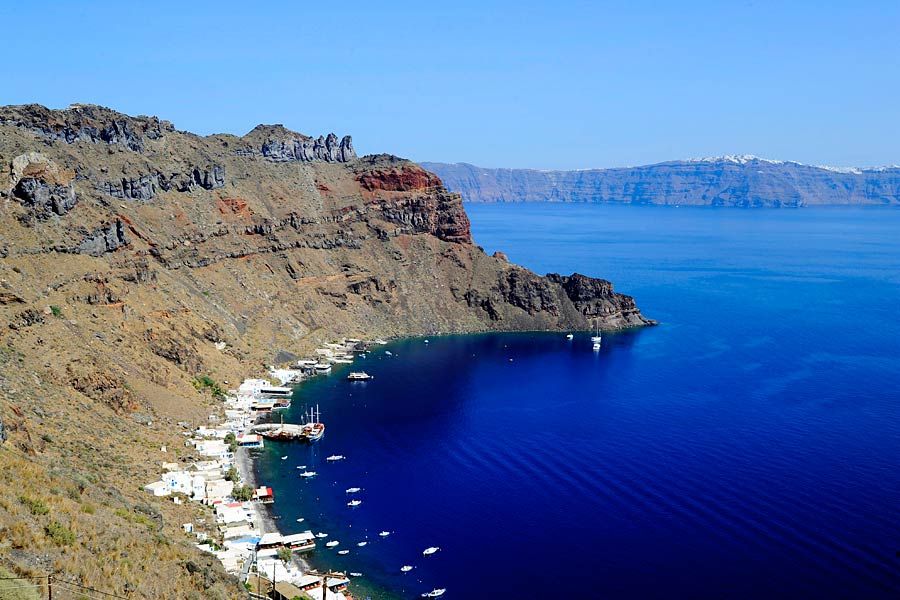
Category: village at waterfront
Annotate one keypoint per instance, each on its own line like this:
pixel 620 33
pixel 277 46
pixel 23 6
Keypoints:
pixel 242 538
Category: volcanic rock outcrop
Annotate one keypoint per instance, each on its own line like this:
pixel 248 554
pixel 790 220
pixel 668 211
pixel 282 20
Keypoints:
pixel 135 258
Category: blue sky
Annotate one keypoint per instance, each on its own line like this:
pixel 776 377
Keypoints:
pixel 556 85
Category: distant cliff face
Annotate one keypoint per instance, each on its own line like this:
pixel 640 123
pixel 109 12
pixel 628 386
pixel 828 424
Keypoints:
pixel 135 257
pixel 743 181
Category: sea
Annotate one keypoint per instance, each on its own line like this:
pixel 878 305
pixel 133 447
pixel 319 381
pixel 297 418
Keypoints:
pixel 747 447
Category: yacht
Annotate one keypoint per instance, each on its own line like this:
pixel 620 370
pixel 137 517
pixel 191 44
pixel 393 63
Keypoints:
pixel 430 551
pixel 359 376
pixel 332 544
pixel 321 535
pixel 385 533
pixel 435 593
pixel 354 503
pixel 406 568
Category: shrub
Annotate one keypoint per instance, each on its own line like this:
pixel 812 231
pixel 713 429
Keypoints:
pixel 60 534
pixel 57 311
pixel 242 492
pixel 37 507
pixel 232 475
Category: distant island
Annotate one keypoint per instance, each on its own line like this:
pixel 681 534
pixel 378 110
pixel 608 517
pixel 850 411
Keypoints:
pixel 734 180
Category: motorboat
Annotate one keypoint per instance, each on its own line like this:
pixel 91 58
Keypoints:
pixel 435 593
pixel 362 544
pixel 354 503
pixel 284 458
pixel 385 533
pixel 332 544
pixel 359 376
pixel 353 490
pixel 300 520
pixel 335 457
pixel 355 574
pixel 596 346
pixel 301 466
pixel 570 336
pixel 406 568
pixel 430 551
pixel 308 474
pixel 343 552
pixel 321 535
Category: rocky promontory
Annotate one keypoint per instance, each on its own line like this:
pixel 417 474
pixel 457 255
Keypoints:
pixel 136 258
pixel 737 181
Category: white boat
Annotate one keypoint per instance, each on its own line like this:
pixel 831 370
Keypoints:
pixel 355 574
pixel 406 568
pixel 426 341
pixel 385 533
pixel 430 551
pixel 435 593
pixel 354 503
pixel 596 346
pixel 380 342
pixel 599 337
pixel 284 458
pixel 308 474
pixel 353 490
pixel 332 544
pixel 362 544
pixel 569 336
pixel 388 352
pixel 301 466
pixel 342 361
pixel 359 376
pixel 323 368
pixel 300 520
pixel 343 552
pixel 335 457
pixel 321 535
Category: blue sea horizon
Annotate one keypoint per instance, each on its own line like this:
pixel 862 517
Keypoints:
pixel 748 447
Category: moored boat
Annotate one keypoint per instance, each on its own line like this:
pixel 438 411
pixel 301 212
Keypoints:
pixel 435 593
pixel 429 551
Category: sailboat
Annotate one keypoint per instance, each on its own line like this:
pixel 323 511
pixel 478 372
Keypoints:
pixel 314 428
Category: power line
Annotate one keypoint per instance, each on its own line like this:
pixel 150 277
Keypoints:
pixel 84 587
pixel 80 592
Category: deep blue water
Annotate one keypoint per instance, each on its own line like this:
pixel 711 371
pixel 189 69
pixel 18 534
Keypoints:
pixel 749 447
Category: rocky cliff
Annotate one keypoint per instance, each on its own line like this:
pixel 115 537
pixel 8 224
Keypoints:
pixel 743 181
pixel 135 257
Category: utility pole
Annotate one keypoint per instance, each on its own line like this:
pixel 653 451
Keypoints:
pixel 50 587
pixel 325 576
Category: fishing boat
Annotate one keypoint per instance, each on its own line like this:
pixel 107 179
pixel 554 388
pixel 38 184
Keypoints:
pixel 354 503
pixel 343 552
pixel 430 551
pixel 332 544
pixel 353 490
pixel 435 593
pixel 335 457
pixel 385 533
pixel 361 544
pixel 406 568
pixel 308 474
pixel 359 376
